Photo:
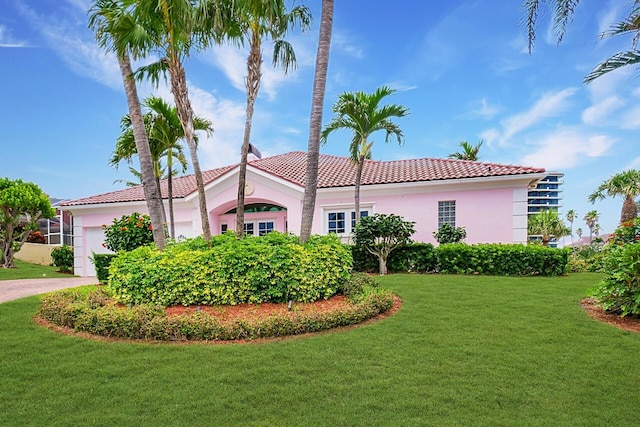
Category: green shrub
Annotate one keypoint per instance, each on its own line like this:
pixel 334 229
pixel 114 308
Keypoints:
pixel 272 268
pixel 102 263
pixel 628 232
pixel 97 314
pixel 128 233
pixel 619 292
pixel 448 233
pixel 62 257
pixel 414 258
pixel 501 259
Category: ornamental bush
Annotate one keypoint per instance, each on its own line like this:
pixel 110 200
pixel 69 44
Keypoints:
pixel 62 257
pixel 619 292
pixel 448 233
pixel 501 259
pixel 271 268
pixel 128 233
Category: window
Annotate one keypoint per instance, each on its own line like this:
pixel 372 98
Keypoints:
pixel 248 228
pixel 447 213
pixel 353 218
pixel 223 228
pixel 336 222
pixel 265 227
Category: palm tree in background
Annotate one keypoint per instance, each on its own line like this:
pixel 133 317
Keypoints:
pixel 625 184
pixel 165 133
pixel 361 113
pixel 571 216
pixel 259 20
pixel 579 233
pixel 548 224
pixel 115 30
pixel 469 152
pixel 591 218
pixel 563 11
pixel 315 122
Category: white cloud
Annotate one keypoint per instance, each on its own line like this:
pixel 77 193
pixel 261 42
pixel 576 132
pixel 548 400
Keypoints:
pixel 567 148
pixel 595 114
pixel 483 109
pixel 7 41
pixel 344 43
pixel 631 118
pixel 608 17
pixel 549 105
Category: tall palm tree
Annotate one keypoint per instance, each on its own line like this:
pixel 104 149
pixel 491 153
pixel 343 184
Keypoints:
pixel 115 29
pixel 259 20
pixel 548 224
pixel 169 30
pixel 625 184
pixel 360 113
pixel 579 233
pixel 315 122
pixel 563 11
pixel 469 152
pixel 571 216
pixel 165 132
pixel 591 218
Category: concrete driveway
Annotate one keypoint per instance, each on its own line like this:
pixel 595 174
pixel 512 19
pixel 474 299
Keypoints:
pixel 15 289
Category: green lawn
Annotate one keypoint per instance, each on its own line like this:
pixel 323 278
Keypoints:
pixel 25 270
pixel 463 350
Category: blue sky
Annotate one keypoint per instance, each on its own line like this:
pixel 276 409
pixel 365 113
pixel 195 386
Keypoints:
pixel 460 66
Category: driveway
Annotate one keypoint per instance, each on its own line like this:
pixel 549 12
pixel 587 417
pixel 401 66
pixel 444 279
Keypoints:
pixel 15 289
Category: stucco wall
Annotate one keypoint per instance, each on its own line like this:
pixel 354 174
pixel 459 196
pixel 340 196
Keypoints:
pixel 35 253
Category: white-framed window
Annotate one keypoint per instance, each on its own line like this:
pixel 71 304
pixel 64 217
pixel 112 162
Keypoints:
pixel 447 212
pixel 265 227
pixel 223 228
pixel 248 228
pixel 341 220
pixel 259 228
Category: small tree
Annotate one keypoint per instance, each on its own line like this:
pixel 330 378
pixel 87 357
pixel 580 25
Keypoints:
pixel 20 202
pixel 547 224
pixel 128 233
pixel 448 233
pixel 381 233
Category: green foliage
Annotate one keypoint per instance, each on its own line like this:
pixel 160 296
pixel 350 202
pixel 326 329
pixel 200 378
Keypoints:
pixel 501 259
pixel 272 268
pixel 102 263
pixel 19 202
pixel 380 234
pixel 448 233
pixel 548 225
pixel 414 257
pixel 97 313
pixel 62 257
pixel 628 232
pixel 128 233
pixel 619 292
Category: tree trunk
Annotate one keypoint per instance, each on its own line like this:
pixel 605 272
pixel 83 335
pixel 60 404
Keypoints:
pixel 357 189
pixel 629 210
pixel 315 122
pixel 149 185
pixel 185 113
pixel 252 85
pixel 382 265
pixel 172 224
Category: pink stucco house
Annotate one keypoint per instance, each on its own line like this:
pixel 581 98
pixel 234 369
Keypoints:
pixel 489 200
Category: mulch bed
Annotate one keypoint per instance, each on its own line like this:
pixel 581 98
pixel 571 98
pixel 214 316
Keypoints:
pixel 626 323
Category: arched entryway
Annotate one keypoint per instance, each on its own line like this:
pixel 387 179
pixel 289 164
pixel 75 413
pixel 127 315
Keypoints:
pixel 260 218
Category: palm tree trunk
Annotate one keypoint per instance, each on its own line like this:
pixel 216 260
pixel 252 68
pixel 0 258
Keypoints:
pixel 357 189
pixel 172 224
pixel 252 84
pixel 149 185
pixel 315 123
pixel 185 113
pixel 629 209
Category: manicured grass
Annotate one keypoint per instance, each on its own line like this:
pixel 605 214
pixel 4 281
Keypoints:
pixel 463 350
pixel 24 270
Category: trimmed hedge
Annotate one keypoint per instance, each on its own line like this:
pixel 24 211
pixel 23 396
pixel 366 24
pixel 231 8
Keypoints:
pixel 96 313
pixel 460 258
pixel 271 268
pixel 501 259
pixel 102 263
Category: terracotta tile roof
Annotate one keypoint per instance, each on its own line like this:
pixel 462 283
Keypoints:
pixel 334 171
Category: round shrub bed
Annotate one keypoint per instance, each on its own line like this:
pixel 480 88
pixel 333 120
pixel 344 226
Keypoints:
pixel 97 313
pixel 271 268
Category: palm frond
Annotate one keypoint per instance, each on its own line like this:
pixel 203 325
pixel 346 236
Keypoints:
pixel 615 62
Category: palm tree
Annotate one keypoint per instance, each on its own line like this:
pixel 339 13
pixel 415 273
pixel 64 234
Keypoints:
pixel 591 218
pixel 469 152
pixel 571 216
pixel 625 184
pixel 563 12
pixel 169 29
pixel 114 27
pixel 259 20
pixel 165 132
pixel 360 113
pixel 579 233
pixel 315 122
pixel 548 224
